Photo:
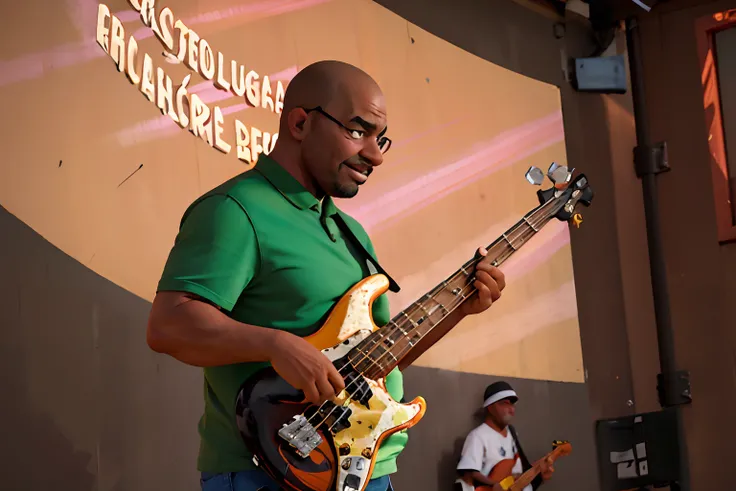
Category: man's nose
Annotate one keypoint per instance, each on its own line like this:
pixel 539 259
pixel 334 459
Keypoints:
pixel 372 153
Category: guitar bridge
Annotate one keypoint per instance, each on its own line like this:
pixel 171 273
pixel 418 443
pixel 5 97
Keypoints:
pixel 301 435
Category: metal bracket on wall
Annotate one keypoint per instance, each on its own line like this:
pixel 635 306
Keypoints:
pixel 651 159
pixel 674 388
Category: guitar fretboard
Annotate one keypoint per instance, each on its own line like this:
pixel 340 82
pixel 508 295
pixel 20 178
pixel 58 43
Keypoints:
pixel 382 351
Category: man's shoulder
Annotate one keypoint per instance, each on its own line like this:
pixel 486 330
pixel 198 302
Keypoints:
pixel 481 429
pixel 485 433
pixel 248 189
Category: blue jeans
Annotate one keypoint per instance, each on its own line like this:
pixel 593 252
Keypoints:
pixel 257 480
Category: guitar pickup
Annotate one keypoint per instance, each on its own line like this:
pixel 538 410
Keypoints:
pixel 301 435
pixel 336 418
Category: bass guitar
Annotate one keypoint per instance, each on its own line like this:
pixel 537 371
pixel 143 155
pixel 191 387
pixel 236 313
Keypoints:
pixel 502 472
pixel 333 446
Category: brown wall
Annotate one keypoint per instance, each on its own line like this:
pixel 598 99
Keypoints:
pixel 49 300
pixel 609 250
pixel 86 405
pixel 701 273
pixel 94 407
pixel 609 253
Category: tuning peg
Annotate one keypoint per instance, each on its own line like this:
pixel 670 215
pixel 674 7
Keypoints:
pixel 534 175
pixel 577 219
pixel 559 174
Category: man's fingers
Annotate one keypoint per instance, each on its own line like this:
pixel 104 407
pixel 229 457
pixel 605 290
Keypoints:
pixel 494 273
pixel 494 291
pixel 326 391
pixel 484 294
pixel 483 276
pixel 500 278
pixel 336 380
pixel 310 393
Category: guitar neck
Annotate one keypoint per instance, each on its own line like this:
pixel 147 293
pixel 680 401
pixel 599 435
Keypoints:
pixel 526 478
pixel 382 351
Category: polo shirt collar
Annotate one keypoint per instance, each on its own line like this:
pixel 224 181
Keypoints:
pixel 291 189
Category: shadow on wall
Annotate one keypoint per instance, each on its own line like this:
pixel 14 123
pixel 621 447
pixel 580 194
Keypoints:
pixel 546 411
pixel 37 455
pixel 86 404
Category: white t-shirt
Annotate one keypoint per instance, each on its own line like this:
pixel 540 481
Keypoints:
pixel 485 447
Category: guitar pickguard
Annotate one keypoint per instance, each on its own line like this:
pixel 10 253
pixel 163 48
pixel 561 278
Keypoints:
pixel 357 445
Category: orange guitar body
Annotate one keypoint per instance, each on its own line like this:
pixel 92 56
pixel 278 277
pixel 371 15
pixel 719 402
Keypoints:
pixel 501 471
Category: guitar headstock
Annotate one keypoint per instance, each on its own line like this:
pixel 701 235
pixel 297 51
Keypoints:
pixel 566 193
pixel 562 447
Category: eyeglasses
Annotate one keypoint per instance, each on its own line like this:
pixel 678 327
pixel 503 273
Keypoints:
pixel 384 143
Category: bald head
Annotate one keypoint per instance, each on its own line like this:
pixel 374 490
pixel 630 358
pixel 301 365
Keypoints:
pixel 331 134
pixel 325 82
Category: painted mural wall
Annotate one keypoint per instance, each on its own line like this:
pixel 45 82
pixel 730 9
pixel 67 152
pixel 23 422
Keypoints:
pixel 120 119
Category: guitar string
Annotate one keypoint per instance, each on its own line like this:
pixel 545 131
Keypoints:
pixel 454 304
pixel 502 257
pixel 470 286
pixel 396 327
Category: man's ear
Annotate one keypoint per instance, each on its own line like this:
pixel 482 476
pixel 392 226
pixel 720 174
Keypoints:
pixel 298 122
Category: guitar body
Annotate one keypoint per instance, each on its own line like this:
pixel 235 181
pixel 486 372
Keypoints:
pixel 344 459
pixel 502 470
pixel 501 473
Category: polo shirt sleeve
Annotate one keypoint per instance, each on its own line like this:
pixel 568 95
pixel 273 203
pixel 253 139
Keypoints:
pixel 215 254
pixel 471 458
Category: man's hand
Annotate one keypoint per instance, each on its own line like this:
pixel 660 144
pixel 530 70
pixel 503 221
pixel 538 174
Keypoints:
pixel 489 281
pixel 547 469
pixel 305 368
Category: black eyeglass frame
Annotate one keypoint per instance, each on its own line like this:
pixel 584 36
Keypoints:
pixel 382 140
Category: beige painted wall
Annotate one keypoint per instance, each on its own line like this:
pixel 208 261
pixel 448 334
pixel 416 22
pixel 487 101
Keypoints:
pixel 464 132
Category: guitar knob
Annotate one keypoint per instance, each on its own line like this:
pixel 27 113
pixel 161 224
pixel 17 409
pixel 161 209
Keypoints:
pixel 534 175
pixel 559 174
pixel 577 219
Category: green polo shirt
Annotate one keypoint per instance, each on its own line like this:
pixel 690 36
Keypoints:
pixel 270 254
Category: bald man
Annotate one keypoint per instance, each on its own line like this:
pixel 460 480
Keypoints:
pixel 260 261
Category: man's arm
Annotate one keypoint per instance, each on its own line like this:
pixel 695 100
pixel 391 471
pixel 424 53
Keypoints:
pixel 471 461
pixel 198 333
pixel 475 477
pixel 215 257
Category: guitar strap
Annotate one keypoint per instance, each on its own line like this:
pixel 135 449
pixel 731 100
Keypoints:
pixel 525 464
pixel 518 445
pixel 392 285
